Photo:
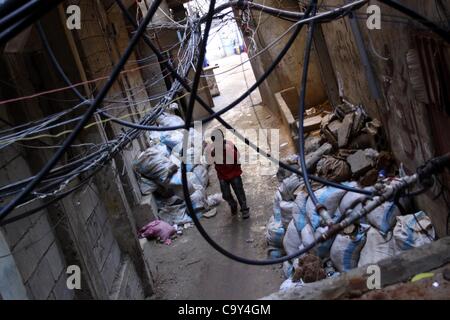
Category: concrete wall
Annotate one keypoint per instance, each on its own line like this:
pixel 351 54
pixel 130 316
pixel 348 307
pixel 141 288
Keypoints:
pixel 288 72
pixel 96 226
pixel 407 121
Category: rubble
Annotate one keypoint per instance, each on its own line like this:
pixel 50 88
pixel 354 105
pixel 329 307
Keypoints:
pixel 314 157
pixel 347 149
pixel 345 130
pixel 333 169
pixel 362 160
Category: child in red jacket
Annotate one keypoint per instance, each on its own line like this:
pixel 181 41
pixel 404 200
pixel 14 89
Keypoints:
pixel 225 156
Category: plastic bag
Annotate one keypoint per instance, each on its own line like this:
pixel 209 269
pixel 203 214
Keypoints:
pixel 201 173
pixel 162 148
pixel 147 186
pixel 288 269
pixel 198 199
pixel 288 186
pixel 345 250
pixel 322 250
pixel 214 199
pixel 276 205
pixel 155 166
pixel 299 211
pixel 275 233
pixel 171 138
pixel 377 248
pixel 330 197
pixel 350 200
pixel 286 212
pixel 289 284
pixel 333 169
pixel 384 217
pixel 291 240
pixel 169 120
pixel 175 214
pixel 408 234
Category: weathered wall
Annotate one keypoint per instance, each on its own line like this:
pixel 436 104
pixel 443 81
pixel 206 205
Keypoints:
pixel 288 73
pixel 406 120
pixel 95 227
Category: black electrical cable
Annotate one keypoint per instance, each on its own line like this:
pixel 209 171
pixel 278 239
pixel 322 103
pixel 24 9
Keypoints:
pixel 8 6
pixel 444 34
pixel 301 107
pixel 18 14
pixel 92 108
pixel 56 64
pixel 55 199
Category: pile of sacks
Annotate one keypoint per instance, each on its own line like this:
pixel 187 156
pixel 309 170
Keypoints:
pixel 295 223
pixel 159 172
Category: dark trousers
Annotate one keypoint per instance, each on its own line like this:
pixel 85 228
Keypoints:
pixel 236 183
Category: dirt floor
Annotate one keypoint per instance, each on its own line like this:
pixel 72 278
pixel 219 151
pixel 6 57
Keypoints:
pixel 189 268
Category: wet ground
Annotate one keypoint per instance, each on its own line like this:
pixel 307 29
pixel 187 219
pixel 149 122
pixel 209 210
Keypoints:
pixel 191 269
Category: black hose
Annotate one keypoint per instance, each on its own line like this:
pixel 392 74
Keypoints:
pixel 14 29
pixel 444 34
pixel 301 107
pixel 56 64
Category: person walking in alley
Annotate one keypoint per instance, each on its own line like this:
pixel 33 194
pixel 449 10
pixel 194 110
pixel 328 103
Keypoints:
pixel 225 156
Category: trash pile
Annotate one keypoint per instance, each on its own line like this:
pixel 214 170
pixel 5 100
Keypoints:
pixel 348 148
pixel 159 172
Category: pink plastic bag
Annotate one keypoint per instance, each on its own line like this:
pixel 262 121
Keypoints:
pixel 157 229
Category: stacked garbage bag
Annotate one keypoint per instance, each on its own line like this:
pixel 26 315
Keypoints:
pixel 159 172
pixel 349 149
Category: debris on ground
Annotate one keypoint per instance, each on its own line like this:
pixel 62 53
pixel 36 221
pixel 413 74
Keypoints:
pixel 348 148
pixel 157 229
pixel 159 173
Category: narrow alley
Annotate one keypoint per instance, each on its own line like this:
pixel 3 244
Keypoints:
pixel 189 268
pixel 224 150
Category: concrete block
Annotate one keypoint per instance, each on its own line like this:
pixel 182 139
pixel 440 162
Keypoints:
pixel 83 202
pixel 14 232
pixel 11 283
pixel 41 282
pixel 312 123
pixel 42 236
pixel 345 130
pixel 94 227
pixel 60 291
pixel 359 162
pixel 55 260
pixel 314 157
pixel 26 257
pixel 103 244
pixel 112 266
pixel 127 285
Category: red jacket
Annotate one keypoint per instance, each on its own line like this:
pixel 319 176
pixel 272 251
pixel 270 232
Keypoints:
pixel 227 171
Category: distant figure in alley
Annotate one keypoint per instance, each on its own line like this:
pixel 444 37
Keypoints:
pixel 225 156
